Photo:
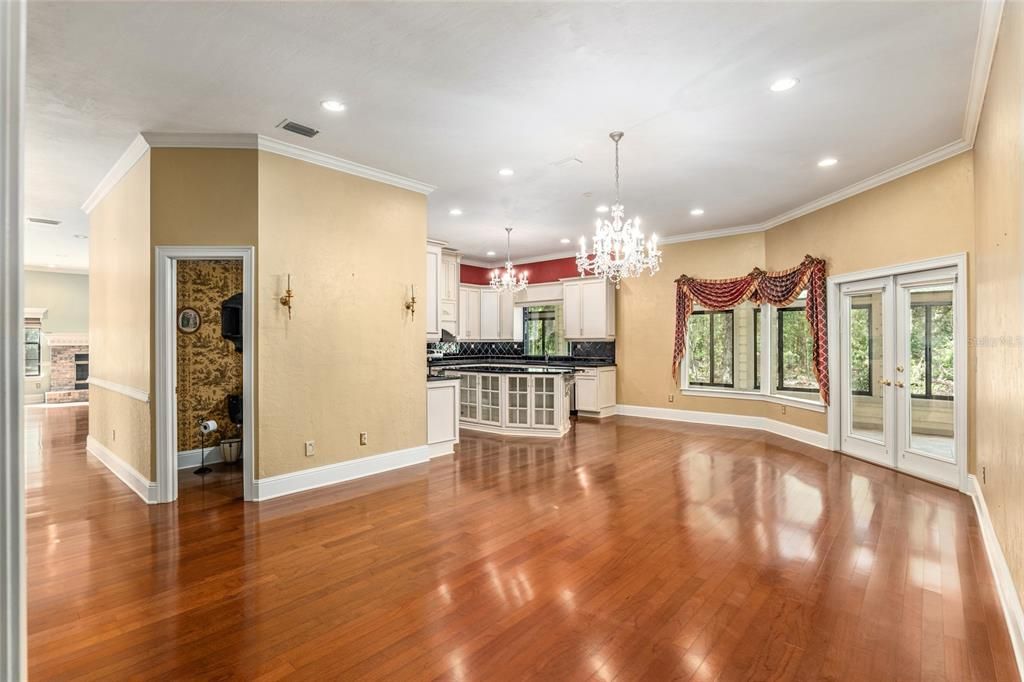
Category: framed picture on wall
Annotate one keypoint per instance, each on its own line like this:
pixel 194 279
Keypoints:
pixel 189 320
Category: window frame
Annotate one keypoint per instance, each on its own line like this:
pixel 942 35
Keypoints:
pixel 928 305
pixel 778 353
pixel 39 352
pixel 711 350
pixel 545 325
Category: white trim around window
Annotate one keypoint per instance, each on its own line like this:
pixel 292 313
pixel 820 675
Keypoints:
pixel 764 393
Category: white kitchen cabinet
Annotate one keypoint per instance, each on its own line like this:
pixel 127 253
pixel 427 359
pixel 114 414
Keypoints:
pixel 588 308
pixel 595 391
pixel 488 314
pixel 431 305
pixel 469 313
pixel 442 416
pixel 449 295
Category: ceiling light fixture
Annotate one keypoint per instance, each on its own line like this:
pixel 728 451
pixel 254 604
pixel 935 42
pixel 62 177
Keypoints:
pixel 491 253
pixel 332 105
pixel 565 240
pixel 507 279
pixel 784 84
pixel 827 162
pixel 696 211
pixel 619 247
pixel 81 236
pixel 455 211
pixel 506 172
pixel 601 209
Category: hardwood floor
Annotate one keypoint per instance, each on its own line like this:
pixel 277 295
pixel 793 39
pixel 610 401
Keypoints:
pixel 630 549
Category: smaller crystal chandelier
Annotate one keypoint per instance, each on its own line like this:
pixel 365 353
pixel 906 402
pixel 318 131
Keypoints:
pixel 508 280
pixel 619 247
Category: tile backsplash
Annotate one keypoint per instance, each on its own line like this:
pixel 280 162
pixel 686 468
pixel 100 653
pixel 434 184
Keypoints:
pixel 577 349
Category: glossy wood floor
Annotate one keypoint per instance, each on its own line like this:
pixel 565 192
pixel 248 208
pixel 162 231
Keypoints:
pixel 631 549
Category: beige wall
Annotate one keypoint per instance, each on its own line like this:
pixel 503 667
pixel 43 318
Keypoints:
pixel 119 316
pixel 350 359
pixel 921 215
pixel 998 428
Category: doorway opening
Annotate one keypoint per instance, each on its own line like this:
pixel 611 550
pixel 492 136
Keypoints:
pixel 900 346
pixel 204 371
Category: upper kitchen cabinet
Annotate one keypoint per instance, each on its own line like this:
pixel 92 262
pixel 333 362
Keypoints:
pixel 485 314
pixel 449 296
pixel 588 307
pixel 432 304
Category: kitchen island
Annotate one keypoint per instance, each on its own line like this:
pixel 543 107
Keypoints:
pixel 514 399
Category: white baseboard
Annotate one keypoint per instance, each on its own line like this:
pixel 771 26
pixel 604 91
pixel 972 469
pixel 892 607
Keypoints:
pixel 190 459
pixel 798 433
pixel 308 479
pixel 445 447
pixel 1007 591
pixel 130 477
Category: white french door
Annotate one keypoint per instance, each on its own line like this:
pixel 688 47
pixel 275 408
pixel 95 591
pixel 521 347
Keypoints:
pixel 900 346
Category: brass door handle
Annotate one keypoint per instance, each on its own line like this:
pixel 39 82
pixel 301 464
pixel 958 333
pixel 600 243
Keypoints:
pixel 885 382
pixel 899 368
pixel 899 384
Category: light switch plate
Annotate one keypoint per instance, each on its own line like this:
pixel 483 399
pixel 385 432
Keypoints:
pixel 310 448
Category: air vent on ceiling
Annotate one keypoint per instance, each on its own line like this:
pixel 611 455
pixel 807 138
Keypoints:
pixel 298 128
pixel 44 221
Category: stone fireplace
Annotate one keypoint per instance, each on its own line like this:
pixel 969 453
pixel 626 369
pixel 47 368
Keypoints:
pixel 69 368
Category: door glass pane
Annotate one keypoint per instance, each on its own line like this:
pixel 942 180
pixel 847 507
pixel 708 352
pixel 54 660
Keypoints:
pixel 930 373
pixel 865 353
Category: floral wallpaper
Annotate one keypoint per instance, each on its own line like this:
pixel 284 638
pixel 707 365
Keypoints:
pixel 209 367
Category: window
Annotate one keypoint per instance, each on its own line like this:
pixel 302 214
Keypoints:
pixel 33 339
pixel 931 351
pixel 862 350
pixel 710 347
pixel 543 330
pixel 794 357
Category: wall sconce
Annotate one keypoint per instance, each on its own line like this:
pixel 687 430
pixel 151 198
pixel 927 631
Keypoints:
pixel 286 300
pixel 410 305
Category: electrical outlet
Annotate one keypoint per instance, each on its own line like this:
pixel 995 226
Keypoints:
pixel 783 409
pixel 310 448
pixel 362 437
pixel 671 398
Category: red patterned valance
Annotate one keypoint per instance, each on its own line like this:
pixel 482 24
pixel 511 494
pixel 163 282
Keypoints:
pixel 774 288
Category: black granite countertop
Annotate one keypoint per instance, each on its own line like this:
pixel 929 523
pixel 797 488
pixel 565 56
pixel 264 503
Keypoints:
pixel 439 377
pixel 527 361
pixel 495 368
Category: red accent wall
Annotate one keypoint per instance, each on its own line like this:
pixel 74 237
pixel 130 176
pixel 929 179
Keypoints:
pixel 537 273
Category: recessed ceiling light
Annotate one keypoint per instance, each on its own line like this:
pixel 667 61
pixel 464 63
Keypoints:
pixel 565 240
pixel 783 84
pixel 696 211
pixel 506 172
pixel 602 209
pixel 827 162
pixel 455 211
pixel 81 236
pixel 332 105
pixel 490 253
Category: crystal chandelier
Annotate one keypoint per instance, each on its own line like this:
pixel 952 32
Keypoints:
pixel 507 279
pixel 619 247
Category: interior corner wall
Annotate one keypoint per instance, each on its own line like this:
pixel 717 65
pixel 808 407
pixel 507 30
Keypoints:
pixel 998 433
pixel 119 318
pixel 926 214
pixel 350 359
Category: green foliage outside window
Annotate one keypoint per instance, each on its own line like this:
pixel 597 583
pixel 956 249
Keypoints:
pixel 709 345
pixel 543 330
pixel 795 348
pixel 860 349
pixel 931 350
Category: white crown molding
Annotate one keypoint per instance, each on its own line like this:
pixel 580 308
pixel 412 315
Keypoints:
pixel 135 151
pixel 268 144
pixel 1005 588
pixel 57 270
pixel 143 142
pixel 984 54
pixel 134 393
pixel 124 471
pixel 712 234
